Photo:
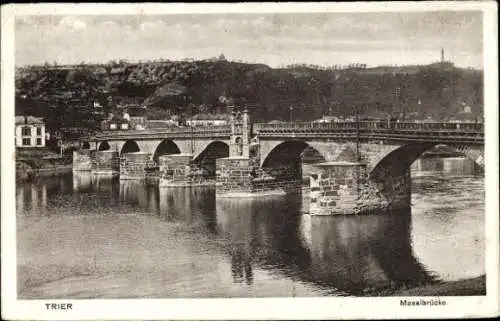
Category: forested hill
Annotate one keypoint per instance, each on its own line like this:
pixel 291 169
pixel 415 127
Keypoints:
pixel 65 94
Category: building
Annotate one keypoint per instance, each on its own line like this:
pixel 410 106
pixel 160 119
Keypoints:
pixel 130 118
pixel 466 109
pixel 136 117
pixel 115 123
pixel 332 119
pixel 30 132
pixel 157 124
pixel 207 120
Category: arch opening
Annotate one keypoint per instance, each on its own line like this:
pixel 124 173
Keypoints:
pixel 86 145
pixel 392 174
pixel 130 146
pixel 166 147
pixel 288 160
pixel 206 160
pixel 104 146
pixel 401 159
pixel 290 151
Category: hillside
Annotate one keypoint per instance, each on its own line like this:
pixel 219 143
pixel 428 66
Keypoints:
pixel 64 95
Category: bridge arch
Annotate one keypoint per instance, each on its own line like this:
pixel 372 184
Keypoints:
pixel 205 160
pixel 290 151
pixel 390 175
pixel 85 145
pixel 283 163
pixel 213 150
pixel 166 147
pixel 130 146
pixel 104 145
pixel 399 160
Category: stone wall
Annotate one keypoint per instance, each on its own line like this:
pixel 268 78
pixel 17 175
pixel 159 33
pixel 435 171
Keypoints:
pixel 234 175
pixel 394 188
pixel 82 160
pixel 175 170
pixel 152 174
pixel 335 188
pixel 134 165
pixel 287 177
pixel 237 175
pixel 105 162
pixel 203 171
pixel 345 188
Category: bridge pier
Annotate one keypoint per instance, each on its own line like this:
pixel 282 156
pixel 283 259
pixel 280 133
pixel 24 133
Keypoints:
pixel 243 177
pixel 342 188
pixel 134 165
pixel 180 170
pixel 234 176
pixel 82 160
pixel 105 162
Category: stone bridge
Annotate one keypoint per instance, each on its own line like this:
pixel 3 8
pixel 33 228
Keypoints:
pixel 361 166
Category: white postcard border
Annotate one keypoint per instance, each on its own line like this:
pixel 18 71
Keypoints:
pixel 262 308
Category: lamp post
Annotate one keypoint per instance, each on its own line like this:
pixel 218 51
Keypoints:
pixel 291 109
pixel 192 128
pixel 358 157
pixel 354 92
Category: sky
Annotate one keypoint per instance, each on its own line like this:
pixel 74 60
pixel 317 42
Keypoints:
pixel 325 39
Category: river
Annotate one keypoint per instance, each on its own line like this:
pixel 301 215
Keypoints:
pixel 80 236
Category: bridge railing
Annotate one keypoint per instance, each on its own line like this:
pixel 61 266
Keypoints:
pixel 371 125
pixel 349 126
pixel 170 130
pixel 474 127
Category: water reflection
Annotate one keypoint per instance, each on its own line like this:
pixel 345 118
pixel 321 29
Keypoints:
pixel 360 254
pixel 190 206
pixel 134 192
pixel 263 245
pixel 236 221
pixel 353 254
pixel 105 184
pixel 95 193
pixel 82 182
pixel 31 197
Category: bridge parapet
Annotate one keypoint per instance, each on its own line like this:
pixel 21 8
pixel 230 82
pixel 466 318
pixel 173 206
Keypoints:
pixel 195 131
pixel 439 132
pixel 443 133
pixel 370 125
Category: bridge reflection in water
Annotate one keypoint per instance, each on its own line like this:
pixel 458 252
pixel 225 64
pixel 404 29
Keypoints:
pixel 349 254
pixel 250 243
pixel 341 254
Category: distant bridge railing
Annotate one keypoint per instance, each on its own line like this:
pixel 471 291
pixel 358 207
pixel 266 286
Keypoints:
pixel 195 131
pixel 424 126
pixel 438 132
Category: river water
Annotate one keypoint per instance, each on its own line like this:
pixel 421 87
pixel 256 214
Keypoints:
pixel 86 237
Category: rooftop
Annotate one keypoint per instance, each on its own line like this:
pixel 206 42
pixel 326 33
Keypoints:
pixel 28 120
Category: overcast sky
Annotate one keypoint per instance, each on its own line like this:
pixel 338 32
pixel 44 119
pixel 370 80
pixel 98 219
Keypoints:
pixel 273 39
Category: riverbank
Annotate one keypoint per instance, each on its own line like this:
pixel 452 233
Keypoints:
pixel 466 287
pixel 27 169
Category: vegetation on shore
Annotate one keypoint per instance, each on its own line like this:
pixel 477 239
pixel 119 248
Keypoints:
pixel 31 164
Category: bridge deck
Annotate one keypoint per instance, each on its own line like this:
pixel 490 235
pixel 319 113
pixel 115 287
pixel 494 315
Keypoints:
pixel 451 132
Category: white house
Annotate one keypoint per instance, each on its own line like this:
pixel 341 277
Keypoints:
pixel 30 132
